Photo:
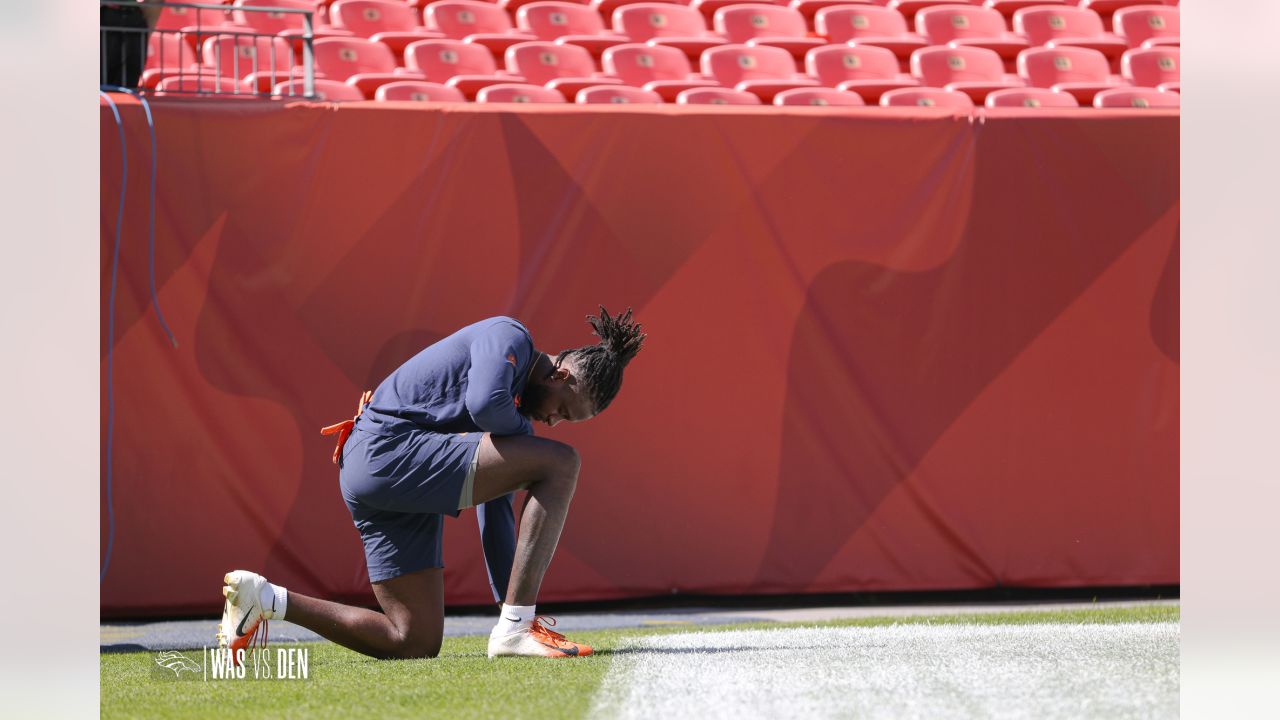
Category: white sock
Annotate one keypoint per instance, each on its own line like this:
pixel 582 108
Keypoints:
pixel 275 600
pixel 514 618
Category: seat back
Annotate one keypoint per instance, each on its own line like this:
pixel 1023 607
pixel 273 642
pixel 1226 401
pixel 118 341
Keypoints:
pixel 842 23
pixel 200 84
pixel 740 23
pixel 328 90
pixel 644 21
pixel 1152 67
pixel 1136 97
pixel 169 50
pixel 418 91
pixel 926 97
pixel 817 96
pixel 366 18
pixel 1046 67
pixel 636 63
pixel 550 20
pixel 1030 98
pixel 540 62
pixel 236 56
pixel 617 94
pixel 939 66
pixel 518 93
pixel 272 22
pixel 731 64
pixel 716 96
pixel 439 60
pixel 460 18
pixel 834 64
pixel 944 23
pixel 340 58
pixel 1042 24
pixel 1139 24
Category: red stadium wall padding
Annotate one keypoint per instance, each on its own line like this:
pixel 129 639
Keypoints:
pixel 888 349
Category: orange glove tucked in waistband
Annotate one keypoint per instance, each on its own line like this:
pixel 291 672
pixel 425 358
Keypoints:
pixel 343 429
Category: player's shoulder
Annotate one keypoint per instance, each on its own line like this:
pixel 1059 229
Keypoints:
pixel 505 325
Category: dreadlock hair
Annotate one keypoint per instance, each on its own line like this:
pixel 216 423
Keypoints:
pixel 600 366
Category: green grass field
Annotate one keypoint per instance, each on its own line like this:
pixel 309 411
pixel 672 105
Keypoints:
pixel 462 682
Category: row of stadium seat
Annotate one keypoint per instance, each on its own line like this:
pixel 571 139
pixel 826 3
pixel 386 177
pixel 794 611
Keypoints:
pixel 799 26
pixel 763 70
pixel 420 91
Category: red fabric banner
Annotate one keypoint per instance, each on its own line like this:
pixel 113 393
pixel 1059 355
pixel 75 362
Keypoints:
pixel 888 349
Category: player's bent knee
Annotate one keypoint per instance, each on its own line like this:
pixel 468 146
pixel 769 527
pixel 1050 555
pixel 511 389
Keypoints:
pixel 414 648
pixel 566 461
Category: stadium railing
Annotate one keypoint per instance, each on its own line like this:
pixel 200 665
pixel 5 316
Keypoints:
pixel 198 75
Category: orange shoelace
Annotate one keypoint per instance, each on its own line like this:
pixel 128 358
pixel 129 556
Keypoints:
pixel 540 630
pixel 343 429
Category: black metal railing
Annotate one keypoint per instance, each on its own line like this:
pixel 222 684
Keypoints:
pixel 138 44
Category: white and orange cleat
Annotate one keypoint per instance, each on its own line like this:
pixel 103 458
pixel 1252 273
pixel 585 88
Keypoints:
pixel 242 614
pixel 536 641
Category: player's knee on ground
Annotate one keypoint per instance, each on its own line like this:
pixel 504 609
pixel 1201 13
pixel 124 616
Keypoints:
pixel 413 647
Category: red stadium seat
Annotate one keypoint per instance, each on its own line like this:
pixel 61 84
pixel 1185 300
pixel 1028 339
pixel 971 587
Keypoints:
pixel 865 69
pixel 1135 98
pixel 340 58
pixel 765 71
pixel 1152 67
pixel 817 96
pixel 663 70
pixel 364 64
pixel 970 27
pixel 567 23
pixel 169 50
pixel 1080 71
pixel 674 26
pixel 395 24
pixel 566 68
pixel 512 6
pixel 1030 98
pixel 708 8
pixel 1106 7
pixel 716 96
pixel 606 8
pixel 274 23
pixel 926 97
pixel 180 18
pixel 1139 24
pixel 267 60
pixel 518 93
pixel 462 66
pixel 1008 7
pixel 418 91
pixel 479 23
pixel 970 70
pixel 909 8
pixel 808 9
pixel 205 84
pixel 766 25
pixel 617 95
pixel 869 25
pixel 326 90
pixel 1068 26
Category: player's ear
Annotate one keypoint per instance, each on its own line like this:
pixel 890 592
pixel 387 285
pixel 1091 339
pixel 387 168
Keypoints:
pixel 561 374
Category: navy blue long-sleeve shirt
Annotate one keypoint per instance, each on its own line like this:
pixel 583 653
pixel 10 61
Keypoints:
pixel 470 381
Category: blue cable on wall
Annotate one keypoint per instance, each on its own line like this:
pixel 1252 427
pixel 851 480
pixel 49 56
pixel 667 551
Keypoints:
pixel 111 307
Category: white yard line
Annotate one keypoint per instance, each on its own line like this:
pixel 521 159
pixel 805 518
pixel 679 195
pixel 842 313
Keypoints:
pixel 898 672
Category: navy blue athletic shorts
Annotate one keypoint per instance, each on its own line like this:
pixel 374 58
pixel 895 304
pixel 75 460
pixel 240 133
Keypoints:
pixel 398 481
